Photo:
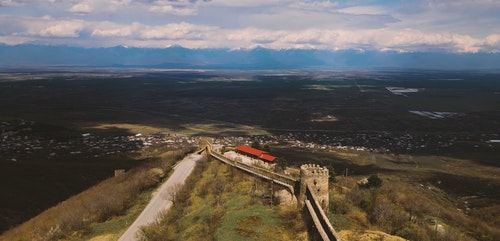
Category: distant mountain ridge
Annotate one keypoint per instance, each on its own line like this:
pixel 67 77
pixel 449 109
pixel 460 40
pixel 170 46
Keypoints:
pixel 30 55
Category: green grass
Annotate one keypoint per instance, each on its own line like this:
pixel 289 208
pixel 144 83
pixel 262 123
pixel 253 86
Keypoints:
pixel 246 221
pixel 339 222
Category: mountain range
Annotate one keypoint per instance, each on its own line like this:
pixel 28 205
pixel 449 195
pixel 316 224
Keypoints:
pixel 30 55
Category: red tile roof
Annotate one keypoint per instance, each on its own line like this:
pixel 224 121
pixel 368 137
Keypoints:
pixel 256 153
pixel 267 157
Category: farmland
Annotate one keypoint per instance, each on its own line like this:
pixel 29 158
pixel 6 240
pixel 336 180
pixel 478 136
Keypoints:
pixel 344 119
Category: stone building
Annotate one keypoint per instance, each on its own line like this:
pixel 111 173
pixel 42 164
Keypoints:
pixel 316 177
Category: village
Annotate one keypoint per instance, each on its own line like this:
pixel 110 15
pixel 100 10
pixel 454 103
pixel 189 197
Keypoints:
pixel 373 142
pixel 17 142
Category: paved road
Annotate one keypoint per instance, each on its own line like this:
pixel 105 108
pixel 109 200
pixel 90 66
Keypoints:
pixel 161 199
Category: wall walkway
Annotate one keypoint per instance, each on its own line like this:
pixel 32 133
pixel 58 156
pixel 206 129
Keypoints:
pixel 320 221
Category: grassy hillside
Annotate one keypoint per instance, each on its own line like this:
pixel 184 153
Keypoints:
pixel 97 207
pixel 218 203
pixel 421 197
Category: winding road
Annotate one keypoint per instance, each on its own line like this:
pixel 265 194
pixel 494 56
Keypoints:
pixel 161 199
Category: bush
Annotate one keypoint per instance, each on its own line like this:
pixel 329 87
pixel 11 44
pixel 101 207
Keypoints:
pixel 374 181
pixel 386 215
pixel 412 231
pixel 361 198
pixel 339 205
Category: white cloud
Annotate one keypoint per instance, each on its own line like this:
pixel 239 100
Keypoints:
pixel 248 3
pixel 62 29
pixel 26 2
pixel 95 6
pixel 109 29
pixel 170 9
pixel 176 31
pixel 104 33
pixel 179 7
pixel 477 18
pixel 45 26
pixel 359 10
pixel 493 40
pixel 314 5
pixel 14 40
pixel 404 40
pixel 9 3
pixel 448 25
pixel 81 8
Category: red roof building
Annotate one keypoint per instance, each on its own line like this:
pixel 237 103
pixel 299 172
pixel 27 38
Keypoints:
pixel 256 153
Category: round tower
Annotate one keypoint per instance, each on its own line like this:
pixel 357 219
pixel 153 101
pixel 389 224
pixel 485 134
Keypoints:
pixel 316 177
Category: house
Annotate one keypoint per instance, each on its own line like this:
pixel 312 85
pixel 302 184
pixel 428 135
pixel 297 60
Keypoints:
pixel 256 153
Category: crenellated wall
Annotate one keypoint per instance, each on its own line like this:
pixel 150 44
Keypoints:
pixel 312 194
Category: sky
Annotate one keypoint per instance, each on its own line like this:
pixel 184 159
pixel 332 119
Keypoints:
pixel 459 26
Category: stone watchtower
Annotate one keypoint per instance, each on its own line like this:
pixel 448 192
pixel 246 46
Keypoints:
pixel 316 178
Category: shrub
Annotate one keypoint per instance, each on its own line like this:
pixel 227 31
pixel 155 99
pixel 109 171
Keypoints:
pixel 386 215
pixel 360 197
pixel 339 205
pixel 412 231
pixel 358 218
pixel 374 181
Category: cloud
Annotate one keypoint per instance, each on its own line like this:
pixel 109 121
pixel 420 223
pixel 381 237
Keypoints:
pixel 179 7
pixel 401 40
pixel 13 2
pixel 81 8
pixel 8 3
pixel 104 33
pixel 492 43
pixel 26 2
pixel 95 6
pixel 177 31
pixel 493 40
pixel 472 17
pixel 427 25
pixel 45 26
pixel 361 10
pixel 109 29
pixel 62 29
pixel 248 3
pixel 315 5
pixel 170 9
pixel 14 40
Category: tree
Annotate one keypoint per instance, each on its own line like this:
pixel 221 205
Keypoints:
pixel 266 148
pixel 374 181
pixel 172 192
pixel 256 144
pixel 219 186
pixel 280 164
pixel 331 173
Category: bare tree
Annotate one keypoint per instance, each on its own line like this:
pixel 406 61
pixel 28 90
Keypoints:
pixel 172 192
pixel 219 186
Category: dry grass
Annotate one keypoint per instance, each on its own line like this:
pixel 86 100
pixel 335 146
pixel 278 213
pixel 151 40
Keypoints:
pixel 219 203
pixel 97 204
pixel 367 235
pixel 132 128
pixel 405 209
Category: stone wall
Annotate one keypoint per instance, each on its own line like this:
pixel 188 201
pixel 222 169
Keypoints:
pixel 316 177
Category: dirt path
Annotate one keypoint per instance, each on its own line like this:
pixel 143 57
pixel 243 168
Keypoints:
pixel 161 199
